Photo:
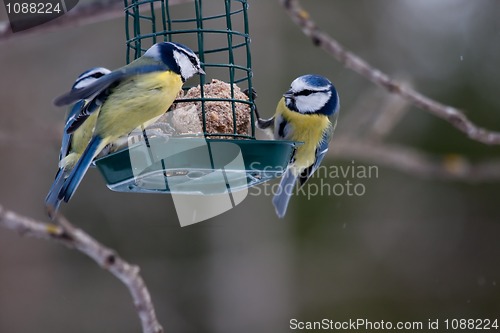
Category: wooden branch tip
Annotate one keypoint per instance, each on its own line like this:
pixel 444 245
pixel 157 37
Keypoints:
pixel 453 116
pixel 64 232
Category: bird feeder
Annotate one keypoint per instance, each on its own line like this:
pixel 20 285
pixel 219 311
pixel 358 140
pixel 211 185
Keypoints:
pixel 206 143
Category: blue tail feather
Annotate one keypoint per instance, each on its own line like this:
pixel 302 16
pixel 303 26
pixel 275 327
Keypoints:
pixel 78 172
pixel 52 201
pixel 281 199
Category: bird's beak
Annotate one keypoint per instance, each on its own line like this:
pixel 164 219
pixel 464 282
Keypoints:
pixel 288 94
pixel 201 71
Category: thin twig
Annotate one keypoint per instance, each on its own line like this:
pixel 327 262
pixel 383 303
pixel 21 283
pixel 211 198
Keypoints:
pixel 409 160
pixel 84 14
pixel 450 114
pixel 75 238
pixel 373 116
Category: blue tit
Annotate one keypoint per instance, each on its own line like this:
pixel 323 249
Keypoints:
pixel 303 114
pixel 128 97
pixel 73 144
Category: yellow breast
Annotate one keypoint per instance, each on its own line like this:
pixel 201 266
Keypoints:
pixel 135 101
pixel 308 128
pixel 83 134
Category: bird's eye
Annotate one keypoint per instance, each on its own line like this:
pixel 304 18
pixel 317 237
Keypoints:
pixel 98 75
pixel 193 59
pixel 305 92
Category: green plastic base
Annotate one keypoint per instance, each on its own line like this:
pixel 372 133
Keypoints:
pixel 194 165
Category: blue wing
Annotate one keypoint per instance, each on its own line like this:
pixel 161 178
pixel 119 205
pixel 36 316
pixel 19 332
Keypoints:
pixel 66 139
pixel 98 91
pixel 106 82
pixel 75 177
pixel 52 201
pixel 85 111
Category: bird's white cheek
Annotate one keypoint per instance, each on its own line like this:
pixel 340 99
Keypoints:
pixel 187 68
pixel 311 103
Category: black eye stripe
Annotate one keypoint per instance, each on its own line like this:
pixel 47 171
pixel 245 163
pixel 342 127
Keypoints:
pixel 191 58
pixel 307 92
pixel 93 76
pixel 98 75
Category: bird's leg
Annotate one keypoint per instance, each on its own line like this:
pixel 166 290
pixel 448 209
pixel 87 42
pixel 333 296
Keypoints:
pixel 261 123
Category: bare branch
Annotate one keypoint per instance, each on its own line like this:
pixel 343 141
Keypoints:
pixel 84 14
pixel 373 116
pixel 108 259
pixel 450 114
pixel 414 162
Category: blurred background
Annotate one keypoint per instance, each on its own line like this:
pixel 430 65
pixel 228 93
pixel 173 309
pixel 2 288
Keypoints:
pixel 409 248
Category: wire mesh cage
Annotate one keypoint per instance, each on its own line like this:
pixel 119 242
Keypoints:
pixel 218 32
pixel 186 160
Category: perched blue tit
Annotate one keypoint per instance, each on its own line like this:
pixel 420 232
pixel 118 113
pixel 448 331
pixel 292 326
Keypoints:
pixel 74 144
pixel 128 97
pixel 303 114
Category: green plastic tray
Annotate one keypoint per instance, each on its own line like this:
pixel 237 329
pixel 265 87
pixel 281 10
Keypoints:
pixel 194 165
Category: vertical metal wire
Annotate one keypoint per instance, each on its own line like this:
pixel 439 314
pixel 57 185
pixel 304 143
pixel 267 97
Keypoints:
pixel 168 21
pixel 137 29
pixel 201 55
pixel 231 60
pixel 127 30
pixel 153 20
pixel 164 18
pixel 249 66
